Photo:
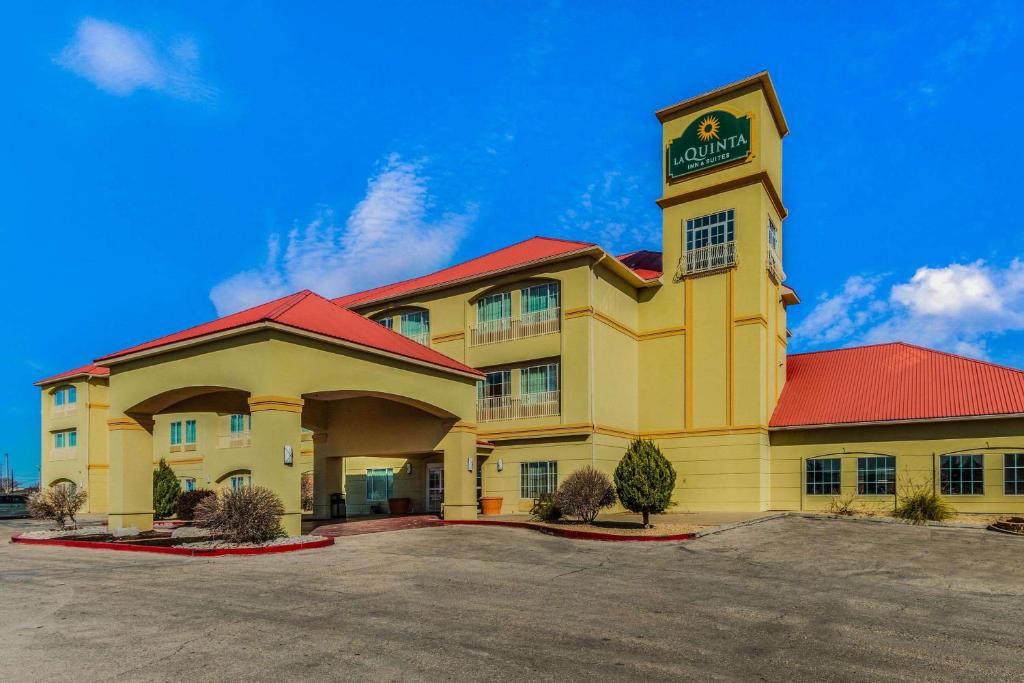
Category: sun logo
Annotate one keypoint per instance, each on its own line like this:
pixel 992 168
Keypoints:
pixel 708 128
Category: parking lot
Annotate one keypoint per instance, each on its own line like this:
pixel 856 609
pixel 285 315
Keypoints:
pixel 786 599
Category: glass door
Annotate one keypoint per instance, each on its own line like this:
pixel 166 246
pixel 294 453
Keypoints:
pixel 435 486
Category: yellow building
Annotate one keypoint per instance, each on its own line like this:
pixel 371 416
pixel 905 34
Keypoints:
pixel 499 376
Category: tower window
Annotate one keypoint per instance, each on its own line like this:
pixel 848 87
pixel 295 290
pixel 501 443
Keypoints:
pixel 710 243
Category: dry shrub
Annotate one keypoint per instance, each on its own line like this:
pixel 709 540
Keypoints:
pixel 919 504
pixel 584 493
pixel 187 502
pixel 307 491
pixel 59 503
pixel 545 510
pixel 251 514
pixel 843 505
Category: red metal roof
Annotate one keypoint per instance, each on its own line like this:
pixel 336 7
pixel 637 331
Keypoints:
pixel 893 382
pixel 517 255
pixel 311 312
pixel 90 370
pixel 646 264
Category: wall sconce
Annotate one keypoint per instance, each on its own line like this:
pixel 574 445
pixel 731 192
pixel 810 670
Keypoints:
pixel 469 464
pixel 501 464
pixel 288 457
pixel 408 468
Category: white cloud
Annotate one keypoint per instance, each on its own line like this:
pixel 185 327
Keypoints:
pixel 387 237
pixel 120 60
pixel 609 214
pixel 958 308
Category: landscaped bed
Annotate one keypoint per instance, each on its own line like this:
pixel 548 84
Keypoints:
pixel 163 542
pixel 598 531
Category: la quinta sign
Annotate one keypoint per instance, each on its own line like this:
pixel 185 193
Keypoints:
pixel 712 139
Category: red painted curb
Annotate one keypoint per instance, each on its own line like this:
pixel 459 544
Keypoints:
pixel 569 533
pixel 175 550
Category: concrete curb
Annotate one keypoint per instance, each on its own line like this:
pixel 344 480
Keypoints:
pixel 176 550
pixel 738 525
pixel 569 533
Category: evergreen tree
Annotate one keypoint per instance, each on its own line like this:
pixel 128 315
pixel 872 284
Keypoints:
pixel 166 491
pixel 644 479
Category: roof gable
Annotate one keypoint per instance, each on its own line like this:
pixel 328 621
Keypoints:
pixel 893 383
pixel 90 370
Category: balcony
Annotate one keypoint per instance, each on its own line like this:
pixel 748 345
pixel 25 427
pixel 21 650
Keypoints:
pixel 234 440
pixel 419 337
pixel 498 408
pixel 531 324
pixel 775 267
pixel 63 411
pixel 707 259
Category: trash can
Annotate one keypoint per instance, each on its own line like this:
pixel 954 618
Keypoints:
pixel 337 506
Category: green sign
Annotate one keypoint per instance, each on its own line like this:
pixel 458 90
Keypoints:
pixel 713 139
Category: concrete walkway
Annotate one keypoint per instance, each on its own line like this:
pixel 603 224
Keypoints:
pixel 374 525
pixel 630 520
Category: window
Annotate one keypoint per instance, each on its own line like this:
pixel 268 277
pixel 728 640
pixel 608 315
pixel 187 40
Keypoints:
pixel 494 307
pixel 72 438
pixel 824 477
pixel 1013 474
pixel 239 481
pixel 495 385
pixel 716 228
pixel 537 382
pixel 188 484
pixel 240 423
pixel 379 484
pixel 962 475
pixel 773 236
pixel 388 322
pixel 540 299
pixel 876 476
pixel 59 440
pixel 536 478
pixel 416 326
pixel 65 439
pixel 190 432
pixel 175 433
pixel 65 396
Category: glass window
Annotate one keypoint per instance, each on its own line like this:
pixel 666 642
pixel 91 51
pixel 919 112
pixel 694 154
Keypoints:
pixel 824 477
pixel 188 484
pixel 716 228
pixel 240 423
pixel 1013 474
pixel 773 236
pixel 495 385
pixel 379 484
pixel 539 298
pixel 539 379
pixel 876 476
pixel 58 397
pixel 388 322
pixel 72 395
pixel 536 478
pixel 190 431
pixel 239 481
pixel 494 307
pixel 962 475
pixel 416 326
pixel 175 433
pixel 58 440
pixel 72 438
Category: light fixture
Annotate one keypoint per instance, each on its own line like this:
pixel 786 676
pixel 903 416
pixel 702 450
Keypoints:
pixel 288 455
pixel 501 464
pixel 469 464
pixel 408 468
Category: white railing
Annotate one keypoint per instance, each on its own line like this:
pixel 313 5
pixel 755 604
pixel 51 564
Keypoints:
pixel 775 267
pixel 234 440
pixel 531 324
pixel 64 410
pixel 420 338
pixel 517 407
pixel 711 257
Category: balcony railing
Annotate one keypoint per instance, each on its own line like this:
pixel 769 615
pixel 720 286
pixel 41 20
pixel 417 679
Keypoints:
pixel 498 408
pixel 234 440
pixel 711 257
pixel 775 267
pixel 64 410
pixel 531 324
pixel 419 337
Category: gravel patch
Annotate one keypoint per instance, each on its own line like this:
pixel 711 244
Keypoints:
pixel 285 540
pixel 65 533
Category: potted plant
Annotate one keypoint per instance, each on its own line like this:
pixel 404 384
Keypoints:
pixel 399 506
pixel 491 505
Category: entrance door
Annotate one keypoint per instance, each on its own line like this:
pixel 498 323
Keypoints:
pixel 435 486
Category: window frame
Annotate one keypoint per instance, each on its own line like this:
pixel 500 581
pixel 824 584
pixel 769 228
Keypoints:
pixel 504 306
pixel 1018 468
pixel 870 477
pixel 708 224
pixel 553 297
pixel 484 384
pixel 389 484
pixel 190 432
pixel 534 482
pixel 243 480
pixel 424 314
pixel 174 433
pixel 823 477
pixel 977 465
pixel 552 372
pixel 244 420
pixel 186 483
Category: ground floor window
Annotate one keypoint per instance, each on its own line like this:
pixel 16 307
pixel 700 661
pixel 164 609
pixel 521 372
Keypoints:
pixel 379 484
pixel 824 477
pixel 1013 474
pixel 188 484
pixel 876 476
pixel 65 439
pixel 238 481
pixel 962 475
pixel 537 478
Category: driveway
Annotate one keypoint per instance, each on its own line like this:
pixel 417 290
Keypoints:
pixel 786 599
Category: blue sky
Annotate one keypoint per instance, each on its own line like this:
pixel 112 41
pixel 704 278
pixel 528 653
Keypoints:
pixel 163 162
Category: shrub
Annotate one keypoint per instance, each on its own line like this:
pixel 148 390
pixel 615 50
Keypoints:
pixel 166 489
pixel 920 504
pixel 307 491
pixel 644 479
pixel 251 514
pixel 187 502
pixel 843 505
pixel 545 509
pixel 584 493
pixel 59 503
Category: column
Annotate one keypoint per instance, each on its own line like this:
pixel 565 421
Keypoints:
pixel 130 483
pixel 460 472
pixel 326 477
pixel 277 425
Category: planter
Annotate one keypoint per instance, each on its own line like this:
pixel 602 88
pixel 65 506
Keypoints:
pixel 399 506
pixel 491 505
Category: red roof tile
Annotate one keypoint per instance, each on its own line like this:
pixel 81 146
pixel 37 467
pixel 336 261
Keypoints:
pixel 893 382
pixel 311 312
pixel 90 370
pixel 646 264
pixel 517 255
